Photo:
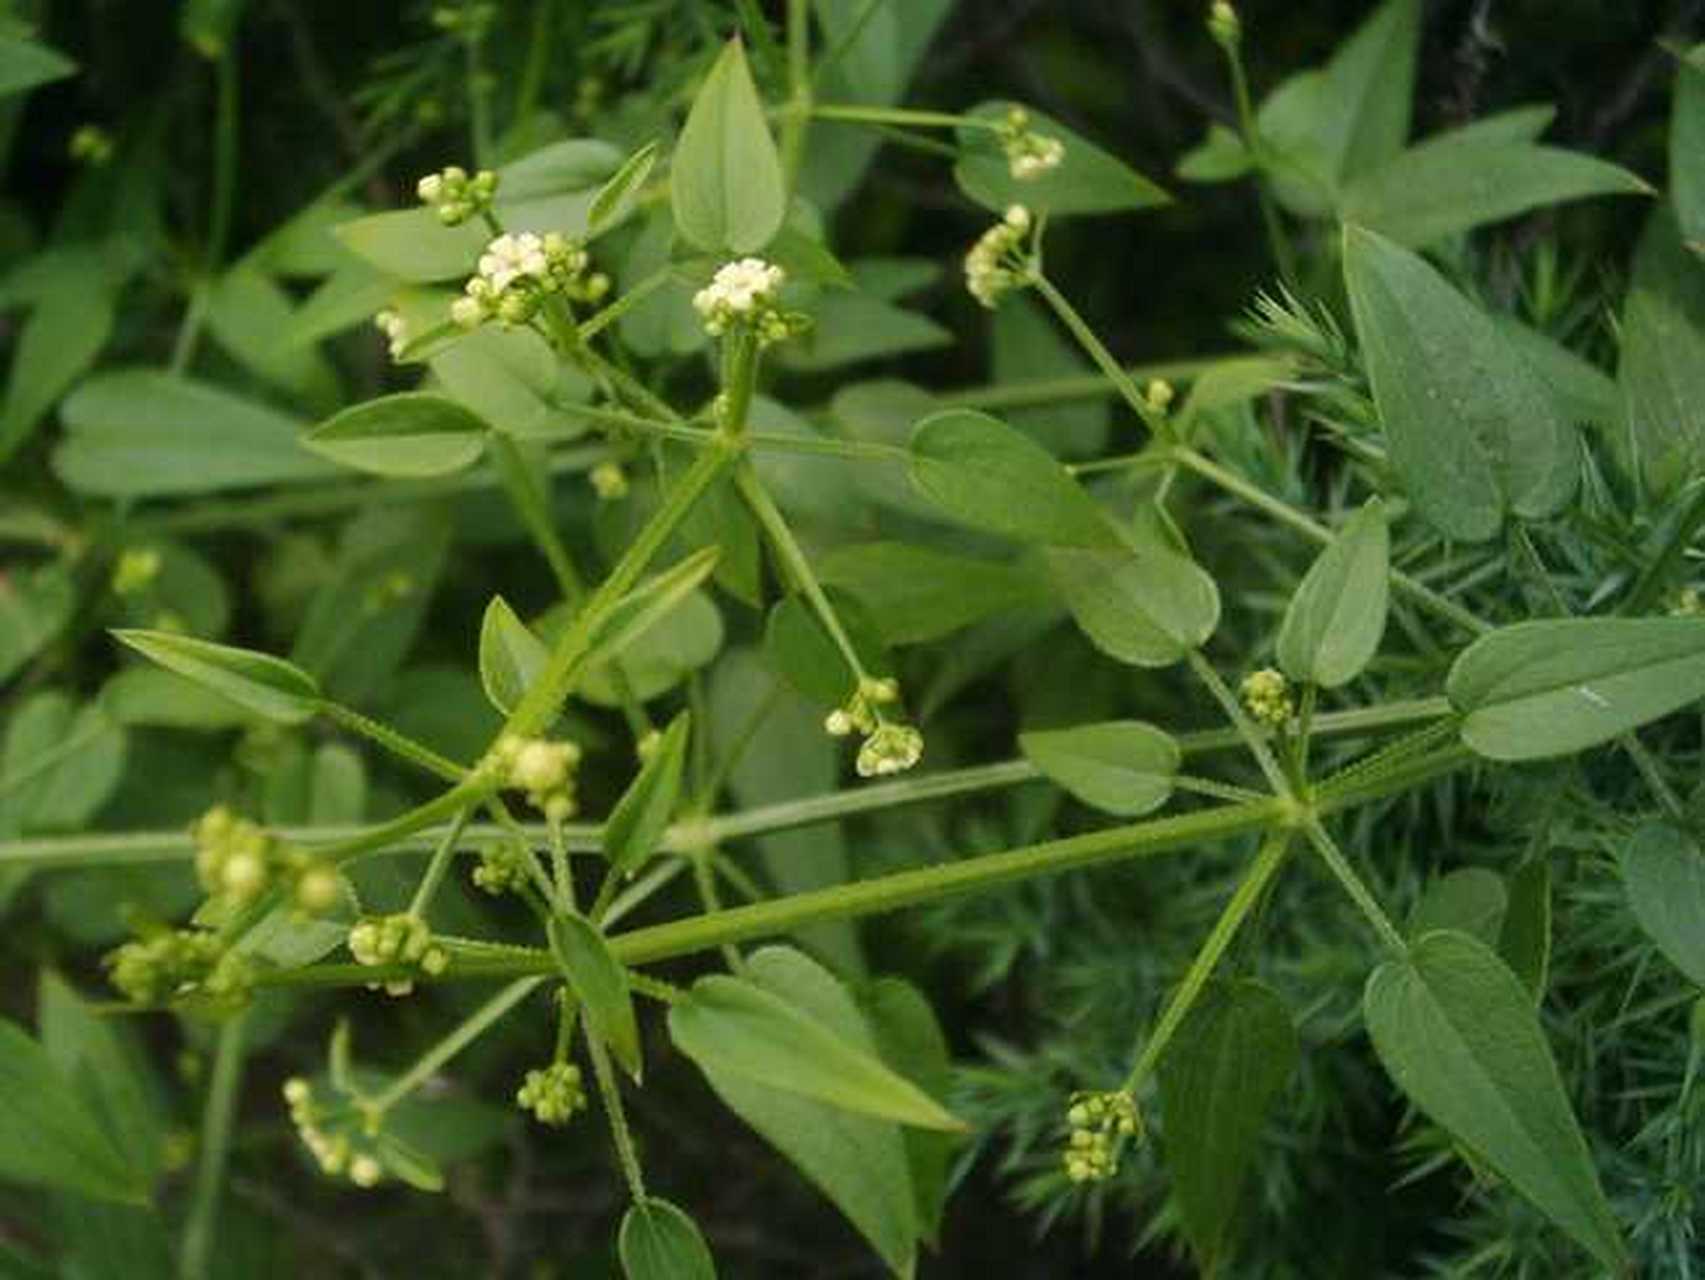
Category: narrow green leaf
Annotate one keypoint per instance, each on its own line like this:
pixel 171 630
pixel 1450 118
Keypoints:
pixel 1471 900
pixel 57 345
pixel 660 1242
pixel 986 475
pixel 48 1136
pixel 725 181
pixel 1662 366
pixel 649 604
pixel 601 983
pixel 1551 687
pixel 410 434
pixel 616 198
pixel 1218 1080
pixel 1687 148
pixel 1337 617
pixel 1123 767
pixel 1473 433
pixel 1524 942
pixel 1088 179
pixel 642 815
pixel 269 686
pixel 511 656
pixel 1148 607
pixel 102 1060
pixel 24 64
pixel 1459 1034
pixel 1663 873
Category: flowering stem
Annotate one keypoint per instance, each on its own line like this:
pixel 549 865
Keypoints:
pixel 1276 238
pixel 440 863
pixel 853 113
pixel 1352 884
pixel 619 1132
pixel 1252 736
pixel 472 1028
pixel 1111 368
pixel 216 1121
pixel 799 107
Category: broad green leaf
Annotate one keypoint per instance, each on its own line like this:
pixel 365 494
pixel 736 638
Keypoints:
pixel 1687 149
pixel 246 313
pixel 1148 607
pixel 49 1136
pixel 1470 900
pixel 1473 433
pixel 849 327
pixel 657 658
pixel 601 984
pixel 1448 185
pixel 572 165
pixel 913 594
pixel 911 1041
pixel 1087 179
pixel 99 1239
pixel 803 652
pixel 1219 157
pixel 660 1242
pixel 859 1162
pixel 649 604
pixel 1583 391
pixel 1551 687
pixel 1219 1079
pixel 1662 367
pixel 1524 941
pixel 412 433
pixel 35 605
pixel 615 199
pixel 1663 873
pixel 102 1060
pixel 511 656
pixel 984 474
pixel 141 433
pixel 26 63
pixel 266 685
pixel 1027 346
pixel 1123 767
pixel 641 816
pixel 82 750
pixel 736 1026
pixel 725 180
pixel 1337 617
pixel 1459 1034
pixel 799 250
pixel 57 344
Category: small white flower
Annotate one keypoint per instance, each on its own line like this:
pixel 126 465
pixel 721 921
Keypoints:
pixel 740 291
pixel 893 748
pixel 509 258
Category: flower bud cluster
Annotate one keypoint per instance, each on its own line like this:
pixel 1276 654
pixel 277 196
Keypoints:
pixel 1098 1123
pixel 517 272
pixel 395 328
pixel 91 145
pixel 998 263
pixel 888 747
pixel 553 1094
pixel 1267 697
pixel 609 481
pixel 400 939
pixel 454 196
pixel 1029 154
pixel 744 293
pixel 177 963
pixel 1158 394
pixel 135 570
pixel 502 868
pixel 340 1143
pixel 237 861
pixel 545 770
pixel 1224 25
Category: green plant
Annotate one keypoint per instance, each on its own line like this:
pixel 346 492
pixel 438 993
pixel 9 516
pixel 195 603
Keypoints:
pixel 1468 570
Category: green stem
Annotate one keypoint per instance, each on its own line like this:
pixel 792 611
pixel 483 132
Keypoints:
pixel 396 743
pixel 217 1121
pixel 1113 371
pixel 1276 238
pixel 472 1028
pixel 479 98
pixel 1243 900
pixel 1352 884
pixel 533 74
pixel 619 1132
pixel 1077 386
pixel 853 113
pixel 631 298
pixel 219 218
pixel 705 879
pixel 799 106
pixel 440 863
pixel 533 506
pixel 1246 728
pixel 846 40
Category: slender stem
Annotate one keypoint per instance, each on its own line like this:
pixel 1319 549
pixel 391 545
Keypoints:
pixel 626 1155
pixel 631 298
pixel 1276 238
pixel 1352 884
pixel 219 218
pixel 799 106
pixel 217 1121
pixel 440 863
pixel 1653 775
pixel 705 879
pixel 533 506
pixel 1087 339
pixel 854 113
pixel 563 882
pixel 398 744
pixel 533 74
pixel 1076 386
pixel 1240 721
pixel 479 95
pixel 472 1028
pixel 1243 899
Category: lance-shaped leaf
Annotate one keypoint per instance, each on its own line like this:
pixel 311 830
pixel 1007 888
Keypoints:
pixel 641 816
pixel 1459 1034
pixel 600 983
pixel 1334 623
pixel 1120 766
pixel 511 656
pixel 1474 434
pixel 411 434
pixel 1218 1080
pixel 1663 873
pixel 648 604
pixel 266 685
pixel 1686 146
pixel 1547 688
pixel 660 1242
pixel 1148 607
pixel 984 474
pixel 616 198
pixel 726 181
pixel 1662 365
pixel 912 1042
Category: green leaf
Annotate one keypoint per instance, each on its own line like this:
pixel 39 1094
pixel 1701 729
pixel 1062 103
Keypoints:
pixel 803 652
pixel 736 1026
pixel 1524 941
pixel 34 608
pixel 1123 767
pixel 58 343
pixel 1450 184
pixel 268 686
pixel 1087 179
pixel 511 656
pixel 984 474
pixel 1219 157
pixel 1686 147
pixel 656 660
pixel 1148 607
pixel 1473 433
pixel 246 313
pixel 1662 366
pixel 617 197
pixel 1663 873
pixel 1551 687
pixel 87 750
pixel 102 1060
pixel 48 1136
pixel 641 816
pixel 1471 900
pixel 726 181
pixel 1459 1034
pixel 411 434
pixel 512 380
pixel 1027 346
pixel 141 433
pixel 649 604
pixel 913 594
pixel 601 984
pixel 660 1242
pixel 911 1041
pixel 859 1162
pixel 1219 1079
pixel 24 64
pixel 849 327
pixel 1337 617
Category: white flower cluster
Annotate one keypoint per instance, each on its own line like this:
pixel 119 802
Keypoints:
pixel 997 263
pixel 400 939
pixel 1267 697
pixel 395 328
pixel 1098 1123
pixel 454 196
pixel 1029 154
pixel 543 769
pixel 745 292
pixel 888 747
pixel 515 274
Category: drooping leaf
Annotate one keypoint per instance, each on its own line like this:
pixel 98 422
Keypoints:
pixel 600 983
pixel 1459 1034
pixel 660 1242
pixel 1088 179
pixel 640 817
pixel 1663 873
pixel 1148 607
pixel 1123 767
pixel 511 656
pixel 1337 617
pixel 412 433
pixel 1551 687
pixel 268 686
pixel 725 180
